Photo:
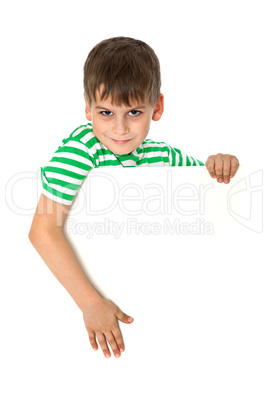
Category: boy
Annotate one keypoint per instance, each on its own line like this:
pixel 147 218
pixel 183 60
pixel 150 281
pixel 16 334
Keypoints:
pixel 122 95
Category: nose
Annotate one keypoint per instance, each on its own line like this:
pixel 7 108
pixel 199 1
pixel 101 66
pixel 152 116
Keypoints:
pixel 120 126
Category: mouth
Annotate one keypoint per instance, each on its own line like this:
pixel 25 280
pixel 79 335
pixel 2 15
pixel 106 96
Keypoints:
pixel 121 142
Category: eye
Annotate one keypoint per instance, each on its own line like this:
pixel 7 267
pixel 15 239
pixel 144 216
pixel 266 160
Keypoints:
pixel 134 113
pixel 106 113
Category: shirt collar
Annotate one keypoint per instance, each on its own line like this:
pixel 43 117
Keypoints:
pixel 135 155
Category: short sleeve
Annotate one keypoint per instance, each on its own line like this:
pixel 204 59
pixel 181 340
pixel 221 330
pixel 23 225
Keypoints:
pixel 178 158
pixel 64 174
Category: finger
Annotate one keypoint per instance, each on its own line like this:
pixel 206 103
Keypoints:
pixel 103 344
pixel 124 317
pixel 112 342
pixel 234 166
pixel 226 170
pixel 210 165
pixel 119 339
pixel 92 339
pixel 219 168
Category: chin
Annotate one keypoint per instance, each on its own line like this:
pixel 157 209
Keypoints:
pixel 123 152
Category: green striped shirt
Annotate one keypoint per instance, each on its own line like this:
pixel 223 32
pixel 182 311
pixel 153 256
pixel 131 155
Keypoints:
pixel 82 151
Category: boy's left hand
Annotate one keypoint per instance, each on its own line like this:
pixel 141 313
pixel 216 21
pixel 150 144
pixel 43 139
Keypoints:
pixel 222 167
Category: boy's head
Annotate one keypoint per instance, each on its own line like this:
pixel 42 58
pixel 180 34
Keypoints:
pixel 124 69
pixel 122 92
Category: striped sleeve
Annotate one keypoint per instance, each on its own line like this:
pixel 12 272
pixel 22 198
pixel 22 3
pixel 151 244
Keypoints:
pixel 180 159
pixel 65 172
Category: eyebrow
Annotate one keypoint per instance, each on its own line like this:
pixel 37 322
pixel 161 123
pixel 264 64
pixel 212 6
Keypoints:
pixel 130 108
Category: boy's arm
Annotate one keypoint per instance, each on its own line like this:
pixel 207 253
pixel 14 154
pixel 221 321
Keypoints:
pixel 223 167
pixel 100 315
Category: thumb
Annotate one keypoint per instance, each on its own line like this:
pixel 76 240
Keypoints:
pixel 124 317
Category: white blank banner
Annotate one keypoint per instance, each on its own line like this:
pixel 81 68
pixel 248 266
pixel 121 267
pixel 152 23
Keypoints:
pixel 184 256
pixel 180 253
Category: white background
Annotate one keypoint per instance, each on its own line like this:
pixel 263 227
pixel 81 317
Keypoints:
pixel 214 63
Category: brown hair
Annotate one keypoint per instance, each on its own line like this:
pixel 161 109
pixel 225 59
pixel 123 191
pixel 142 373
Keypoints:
pixel 124 68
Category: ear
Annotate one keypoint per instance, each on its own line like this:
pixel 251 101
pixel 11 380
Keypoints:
pixel 159 108
pixel 88 110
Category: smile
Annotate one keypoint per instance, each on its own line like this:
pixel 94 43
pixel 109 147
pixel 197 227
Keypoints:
pixel 121 142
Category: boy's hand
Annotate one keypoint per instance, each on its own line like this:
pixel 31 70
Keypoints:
pixel 222 167
pixel 100 319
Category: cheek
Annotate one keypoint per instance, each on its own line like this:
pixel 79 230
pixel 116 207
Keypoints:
pixel 97 124
pixel 145 126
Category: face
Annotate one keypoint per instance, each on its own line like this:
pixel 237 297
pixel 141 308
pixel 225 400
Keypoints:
pixel 122 128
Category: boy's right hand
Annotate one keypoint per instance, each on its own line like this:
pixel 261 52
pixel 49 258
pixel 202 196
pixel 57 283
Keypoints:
pixel 101 321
